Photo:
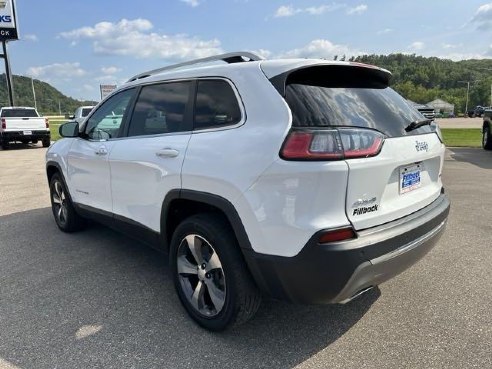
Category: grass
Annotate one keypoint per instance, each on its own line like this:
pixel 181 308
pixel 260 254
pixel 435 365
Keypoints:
pixel 54 132
pixel 464 137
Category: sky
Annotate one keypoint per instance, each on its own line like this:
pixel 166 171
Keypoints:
pixel 77 45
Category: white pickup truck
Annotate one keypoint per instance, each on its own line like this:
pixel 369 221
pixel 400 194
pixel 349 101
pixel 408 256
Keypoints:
pixel 23 124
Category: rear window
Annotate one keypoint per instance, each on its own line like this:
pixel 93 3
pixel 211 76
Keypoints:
pixel 86 111
pixel 19 113
pixel 322 100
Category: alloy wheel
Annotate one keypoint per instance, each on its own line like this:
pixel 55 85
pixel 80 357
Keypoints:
pixel 59 203
pixel 201 276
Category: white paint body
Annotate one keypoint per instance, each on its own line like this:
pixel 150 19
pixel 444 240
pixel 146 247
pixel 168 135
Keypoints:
pixel 280 203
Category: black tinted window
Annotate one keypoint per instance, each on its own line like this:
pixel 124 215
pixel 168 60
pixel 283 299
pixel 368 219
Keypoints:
pixel 19 113
pixel 161 109
pixel 216 105
pixel 319 103
pixel 86 111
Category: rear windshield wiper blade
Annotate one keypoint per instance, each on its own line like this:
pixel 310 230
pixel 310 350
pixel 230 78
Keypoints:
pixel 418 124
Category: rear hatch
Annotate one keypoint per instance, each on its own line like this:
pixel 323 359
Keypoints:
pixel 22 119
pixel 394 155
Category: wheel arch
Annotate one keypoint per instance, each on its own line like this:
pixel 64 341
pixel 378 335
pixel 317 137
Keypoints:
pixel 181 204
pixel 53 167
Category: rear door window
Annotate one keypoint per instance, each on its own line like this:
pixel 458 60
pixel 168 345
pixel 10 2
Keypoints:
pixel 216 105
pixel 334 97
pixel 161 108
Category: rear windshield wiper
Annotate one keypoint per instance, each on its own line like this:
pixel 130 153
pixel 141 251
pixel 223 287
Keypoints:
pixel 418 124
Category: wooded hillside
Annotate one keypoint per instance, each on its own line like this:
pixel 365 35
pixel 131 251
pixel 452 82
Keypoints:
pixel 49 99
pixel 423 79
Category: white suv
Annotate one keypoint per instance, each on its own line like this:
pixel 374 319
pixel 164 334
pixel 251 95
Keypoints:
pixel 305 180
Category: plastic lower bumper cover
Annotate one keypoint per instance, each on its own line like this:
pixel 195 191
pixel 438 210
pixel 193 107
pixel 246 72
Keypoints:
pixel 336 272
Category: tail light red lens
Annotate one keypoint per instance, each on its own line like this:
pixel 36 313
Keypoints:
pixel 337 235
pixel 332 144
pixel 309 145
pixel 4 123
pixel 47 122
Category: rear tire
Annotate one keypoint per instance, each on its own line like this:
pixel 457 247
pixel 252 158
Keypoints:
pixel 210 275
pixel 4 145
pixel 66 217
pixel 34 142
pixel 486 138
pixel 46 142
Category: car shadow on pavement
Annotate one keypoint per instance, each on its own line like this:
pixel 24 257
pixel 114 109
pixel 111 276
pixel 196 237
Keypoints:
pixel 99 299
pixel 479 157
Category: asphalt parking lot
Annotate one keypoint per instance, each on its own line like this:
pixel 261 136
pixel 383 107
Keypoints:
pixel 97 299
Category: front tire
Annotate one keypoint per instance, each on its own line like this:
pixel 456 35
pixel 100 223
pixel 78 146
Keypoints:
pixel 66 217
pixel 486 138
pixel 210 275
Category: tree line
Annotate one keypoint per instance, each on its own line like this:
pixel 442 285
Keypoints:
pixel 422 79
pixel 49 100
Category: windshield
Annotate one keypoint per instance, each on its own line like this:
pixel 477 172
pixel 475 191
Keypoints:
pixel 19 113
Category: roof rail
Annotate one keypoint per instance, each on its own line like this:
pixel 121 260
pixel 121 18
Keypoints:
pixel 234 57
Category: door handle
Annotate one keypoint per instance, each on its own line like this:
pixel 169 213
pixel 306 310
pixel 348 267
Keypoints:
pixel 102 151
pixel 167 153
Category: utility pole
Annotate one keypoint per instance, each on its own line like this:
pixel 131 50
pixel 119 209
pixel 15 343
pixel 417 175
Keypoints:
pixel 468 92
pixel 34 94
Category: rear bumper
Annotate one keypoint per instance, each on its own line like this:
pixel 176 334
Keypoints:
pixel 337 272
pixel 19 135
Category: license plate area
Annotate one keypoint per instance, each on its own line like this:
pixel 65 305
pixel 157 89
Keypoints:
pixel 410 178
pixel 27 133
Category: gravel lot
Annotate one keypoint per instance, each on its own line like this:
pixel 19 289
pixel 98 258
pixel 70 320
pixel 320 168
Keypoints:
pixel 97 299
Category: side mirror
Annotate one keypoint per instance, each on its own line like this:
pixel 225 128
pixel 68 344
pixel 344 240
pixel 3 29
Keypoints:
pixel 69 129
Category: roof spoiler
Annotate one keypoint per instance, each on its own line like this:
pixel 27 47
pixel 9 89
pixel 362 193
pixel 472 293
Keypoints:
pixel 361 75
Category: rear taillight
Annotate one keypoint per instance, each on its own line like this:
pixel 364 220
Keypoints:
pixel 331 144
pixel 47 122
pixel 4 123
pixel 335 235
